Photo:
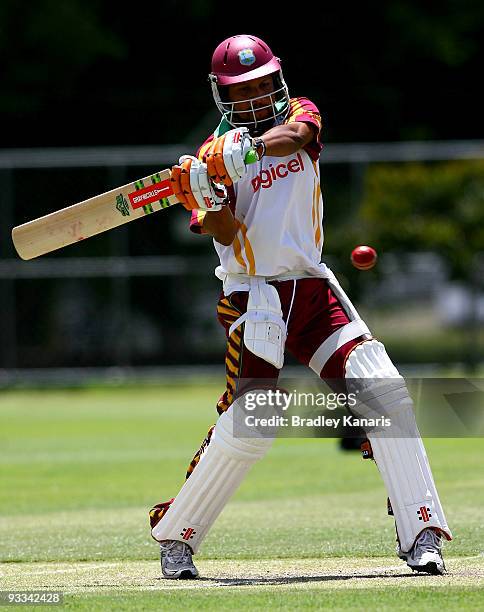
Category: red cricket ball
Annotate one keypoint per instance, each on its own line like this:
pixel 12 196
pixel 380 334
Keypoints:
pixel 363 257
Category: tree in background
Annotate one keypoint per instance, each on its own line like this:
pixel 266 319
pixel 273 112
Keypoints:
pixel 438 207
pixel 427 207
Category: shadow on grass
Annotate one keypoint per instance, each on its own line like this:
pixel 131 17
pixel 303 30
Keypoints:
pixel 297 579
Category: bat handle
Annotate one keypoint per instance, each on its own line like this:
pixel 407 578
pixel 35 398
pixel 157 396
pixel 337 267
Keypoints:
pixel 251 157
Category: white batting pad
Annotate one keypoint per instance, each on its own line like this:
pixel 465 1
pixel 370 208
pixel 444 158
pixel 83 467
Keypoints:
pixel 218 474
pixel 398 449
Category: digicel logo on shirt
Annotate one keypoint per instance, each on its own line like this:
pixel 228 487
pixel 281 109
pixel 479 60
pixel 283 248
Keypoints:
pixel 265 178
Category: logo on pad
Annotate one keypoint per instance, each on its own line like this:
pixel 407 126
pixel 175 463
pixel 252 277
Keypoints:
pixel 188 533
pixel 423 514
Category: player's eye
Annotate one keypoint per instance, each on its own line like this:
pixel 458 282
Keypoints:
pixel 266 85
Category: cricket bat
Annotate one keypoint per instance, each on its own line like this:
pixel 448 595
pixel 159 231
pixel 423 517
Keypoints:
pixel 98 214
pixel 93 216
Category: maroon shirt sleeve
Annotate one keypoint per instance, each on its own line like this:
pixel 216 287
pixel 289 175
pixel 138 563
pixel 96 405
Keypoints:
pixel 302 109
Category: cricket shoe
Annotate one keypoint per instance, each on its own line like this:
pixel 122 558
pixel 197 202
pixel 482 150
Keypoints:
pixel 426 554
pixel 176 560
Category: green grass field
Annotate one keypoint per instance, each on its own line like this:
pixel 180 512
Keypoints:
pixel 308 528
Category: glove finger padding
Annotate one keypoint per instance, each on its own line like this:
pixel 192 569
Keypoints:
pixel 185 181
pixel 223 175
pixel 226 156
pixel 175 180
pixel 199 180
pixel 237 144
pixel 196 185
pixel 215 162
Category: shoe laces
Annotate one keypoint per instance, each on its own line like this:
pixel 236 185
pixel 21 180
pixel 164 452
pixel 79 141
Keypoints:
pixel 176 552
pixel 429 541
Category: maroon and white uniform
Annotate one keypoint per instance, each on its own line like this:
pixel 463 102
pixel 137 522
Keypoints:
pixel 272 275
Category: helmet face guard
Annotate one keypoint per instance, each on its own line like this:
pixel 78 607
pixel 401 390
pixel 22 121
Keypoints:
pixel 243 58
pixel 244 113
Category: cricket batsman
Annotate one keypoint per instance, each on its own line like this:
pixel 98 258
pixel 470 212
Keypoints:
pixel 265 219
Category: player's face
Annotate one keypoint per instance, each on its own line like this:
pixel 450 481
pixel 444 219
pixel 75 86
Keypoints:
pixel 252 96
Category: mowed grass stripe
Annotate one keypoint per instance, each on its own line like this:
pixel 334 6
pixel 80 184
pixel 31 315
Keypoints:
pixel 245 530
pixel 337 584
pixel 334 573
pixel 426 598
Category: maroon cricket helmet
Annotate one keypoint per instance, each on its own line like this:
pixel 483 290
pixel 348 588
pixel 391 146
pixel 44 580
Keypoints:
pixel 241 58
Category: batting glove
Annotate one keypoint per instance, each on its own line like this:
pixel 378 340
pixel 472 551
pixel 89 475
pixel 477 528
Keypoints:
pixel 193 188
pixel 226 155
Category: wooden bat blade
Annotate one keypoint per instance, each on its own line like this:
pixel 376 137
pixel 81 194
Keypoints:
pixel 93 216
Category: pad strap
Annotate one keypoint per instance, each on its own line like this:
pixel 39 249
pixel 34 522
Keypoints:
pixel 341 336
pixel 256 316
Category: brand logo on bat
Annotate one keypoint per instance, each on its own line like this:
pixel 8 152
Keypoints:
pixel 150 194
pixel 265 178
pixel 122 205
